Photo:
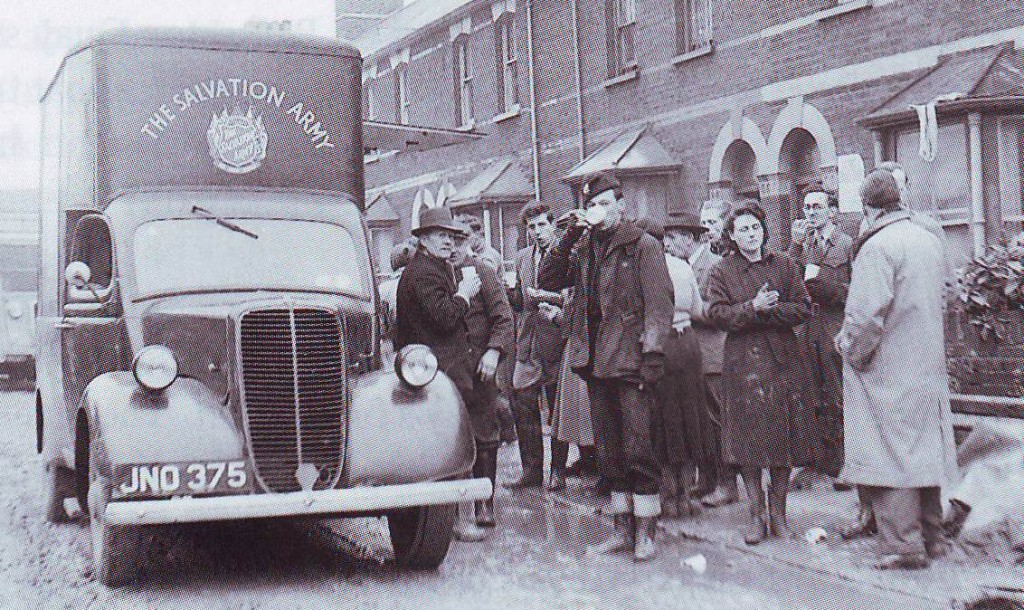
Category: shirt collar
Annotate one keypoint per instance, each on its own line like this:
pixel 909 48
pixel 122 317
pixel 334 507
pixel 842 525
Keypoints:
pixel 699 252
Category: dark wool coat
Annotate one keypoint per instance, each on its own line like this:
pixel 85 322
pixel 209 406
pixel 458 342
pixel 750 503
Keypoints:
pixel 828 293
pixel 634 296
pixel 428 312
pixel 768 404
pixel 489 318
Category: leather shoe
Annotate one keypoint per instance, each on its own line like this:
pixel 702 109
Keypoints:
pixel 528 479
pixel 864 527
pixel 556 482
pixel 756 530
pixel 911 561
pixel 580 468
pixel 720 497
pixel 467 531
pixel 937 550
pixel 485 513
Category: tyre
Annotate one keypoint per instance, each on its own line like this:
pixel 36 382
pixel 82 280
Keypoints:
pixel 420 536
pixel 60 484
pixel 116 550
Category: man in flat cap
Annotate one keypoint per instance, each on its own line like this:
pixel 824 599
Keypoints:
pixel 899 436
pixel 618 325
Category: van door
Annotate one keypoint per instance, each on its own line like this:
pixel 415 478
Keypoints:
pixel 91 326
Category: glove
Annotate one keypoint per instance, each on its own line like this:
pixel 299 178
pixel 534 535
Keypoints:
pixel 652 368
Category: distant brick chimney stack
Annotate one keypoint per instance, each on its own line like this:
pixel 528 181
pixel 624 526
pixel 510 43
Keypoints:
pixel 354 17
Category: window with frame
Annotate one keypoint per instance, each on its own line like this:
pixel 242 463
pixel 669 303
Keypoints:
pixel 508 64
pixel 621 36
pixel 1011 176
pixel 942 187
pixel 693 25
pixel 463 81
pixel 402 93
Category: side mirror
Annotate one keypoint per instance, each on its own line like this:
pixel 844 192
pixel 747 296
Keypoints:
pixel 77 274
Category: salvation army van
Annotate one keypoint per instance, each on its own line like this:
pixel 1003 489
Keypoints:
pixel 208 336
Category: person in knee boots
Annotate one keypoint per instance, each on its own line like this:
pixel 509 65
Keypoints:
pixel 619 321
pixel 489 332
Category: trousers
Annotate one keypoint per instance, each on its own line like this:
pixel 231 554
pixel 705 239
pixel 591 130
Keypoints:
pixel 622 435
pixel 909 519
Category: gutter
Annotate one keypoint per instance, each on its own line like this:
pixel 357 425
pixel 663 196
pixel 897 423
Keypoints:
pixel 534 138
pixel 577 60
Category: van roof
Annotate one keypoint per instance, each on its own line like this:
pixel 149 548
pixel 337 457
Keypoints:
pixel 227 39
pixel 212 38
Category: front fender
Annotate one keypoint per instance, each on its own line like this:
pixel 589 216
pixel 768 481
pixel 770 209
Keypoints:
pixel 184 423
pixel 398 435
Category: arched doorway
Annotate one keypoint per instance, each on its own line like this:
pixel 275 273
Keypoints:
pixel 739 170
pixel 799 165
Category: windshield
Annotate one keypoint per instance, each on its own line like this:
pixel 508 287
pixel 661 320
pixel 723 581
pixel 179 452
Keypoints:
pixel 200 255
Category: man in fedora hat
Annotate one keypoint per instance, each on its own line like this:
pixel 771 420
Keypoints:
pixel 431 302
pixel 618 324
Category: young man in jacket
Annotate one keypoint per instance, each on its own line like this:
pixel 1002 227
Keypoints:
pixel 618 325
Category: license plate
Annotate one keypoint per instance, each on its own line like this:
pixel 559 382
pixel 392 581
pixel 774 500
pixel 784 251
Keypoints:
pixel 180 479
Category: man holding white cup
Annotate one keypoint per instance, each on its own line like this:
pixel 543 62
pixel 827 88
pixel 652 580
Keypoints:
pixel 826 254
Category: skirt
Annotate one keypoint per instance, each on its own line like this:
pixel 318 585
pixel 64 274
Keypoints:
pixel 570 421
pixel 683 432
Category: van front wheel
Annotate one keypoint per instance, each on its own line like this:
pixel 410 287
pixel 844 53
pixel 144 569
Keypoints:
pixel 421 535
pixel 116 550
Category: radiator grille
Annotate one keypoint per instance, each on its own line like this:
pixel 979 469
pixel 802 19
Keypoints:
pixel 293 375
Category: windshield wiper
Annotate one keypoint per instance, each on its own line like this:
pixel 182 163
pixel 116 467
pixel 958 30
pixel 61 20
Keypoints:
pixel 227 224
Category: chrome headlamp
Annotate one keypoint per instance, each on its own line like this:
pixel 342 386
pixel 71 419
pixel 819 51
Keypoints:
pixel 155 368
pixel 14 310
pixel 416 365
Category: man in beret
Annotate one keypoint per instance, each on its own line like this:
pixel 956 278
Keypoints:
pixel 618 322
pixel 898 430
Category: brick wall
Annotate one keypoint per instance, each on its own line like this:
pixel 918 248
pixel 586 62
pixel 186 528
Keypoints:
pixel 758 45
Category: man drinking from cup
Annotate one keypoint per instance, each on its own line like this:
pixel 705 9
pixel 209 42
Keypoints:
pixel 618 322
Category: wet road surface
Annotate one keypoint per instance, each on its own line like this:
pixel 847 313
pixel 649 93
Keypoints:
pixel 537 558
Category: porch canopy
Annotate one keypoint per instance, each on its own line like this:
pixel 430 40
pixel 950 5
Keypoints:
pixel 500 182
pixel 633 152
pixel 385 137
pixel 986 80
pixel 380 212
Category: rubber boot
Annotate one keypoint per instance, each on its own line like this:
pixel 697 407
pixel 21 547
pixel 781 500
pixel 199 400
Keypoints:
pixel 486 466
pixel 727 492
pixel 622 538
pixel 777 493
pixel 757 528
pixel 670 492
pixel 688 505
pixel 559 457
pixel 644 547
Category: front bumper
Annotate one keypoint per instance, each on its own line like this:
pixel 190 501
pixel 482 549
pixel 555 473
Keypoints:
pixel 297 504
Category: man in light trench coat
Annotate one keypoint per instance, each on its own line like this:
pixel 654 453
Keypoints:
pixel 899 435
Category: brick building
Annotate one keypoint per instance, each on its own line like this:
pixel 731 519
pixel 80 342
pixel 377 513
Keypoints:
pixel 687 99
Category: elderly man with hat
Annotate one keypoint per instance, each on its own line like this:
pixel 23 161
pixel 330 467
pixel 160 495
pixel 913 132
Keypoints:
pixel 683 432
pixel 899 435
pixel 618 324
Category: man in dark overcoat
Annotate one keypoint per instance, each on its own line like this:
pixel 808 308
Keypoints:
pixel 490 332
pixel 619 322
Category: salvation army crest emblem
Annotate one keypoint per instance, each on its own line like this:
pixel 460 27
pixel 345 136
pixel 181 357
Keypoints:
pixel 238 142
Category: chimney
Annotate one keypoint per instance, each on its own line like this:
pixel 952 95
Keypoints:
pixel 355 17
